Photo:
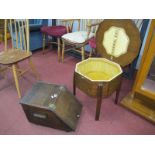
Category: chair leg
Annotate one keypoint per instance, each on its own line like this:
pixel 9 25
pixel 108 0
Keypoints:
pixel 36 74
pixel 63 50
pixel 82 53
pixel 90 53
pixel 59 52
pixel 44 40
pixel 14 69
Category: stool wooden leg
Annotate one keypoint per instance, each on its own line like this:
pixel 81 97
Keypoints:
pixel 82 53
pixel 36 74
pixel 63 50
pixel 99 101
pixel 44 40
pixel 14 69
pixel 74 85
pixel 117 93
pixel 59 52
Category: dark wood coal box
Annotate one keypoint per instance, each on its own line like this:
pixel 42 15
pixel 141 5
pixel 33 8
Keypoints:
pixel 52 105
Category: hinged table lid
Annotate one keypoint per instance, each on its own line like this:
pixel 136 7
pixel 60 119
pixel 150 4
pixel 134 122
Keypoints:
pixel 118 40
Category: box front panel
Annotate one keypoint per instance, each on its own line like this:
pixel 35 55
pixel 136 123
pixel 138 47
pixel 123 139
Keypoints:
pixel 44 117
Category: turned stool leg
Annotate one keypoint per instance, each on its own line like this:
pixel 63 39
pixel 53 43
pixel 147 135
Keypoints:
pixel 99 101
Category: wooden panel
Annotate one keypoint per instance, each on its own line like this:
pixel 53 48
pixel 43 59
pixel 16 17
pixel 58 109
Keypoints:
pixel 147 58
pixel 90 87
pixel 143 107
pixel 44 117
pixel 142 98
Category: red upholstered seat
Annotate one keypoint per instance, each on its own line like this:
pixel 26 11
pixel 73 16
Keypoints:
pixel 56 31
pixel 92 43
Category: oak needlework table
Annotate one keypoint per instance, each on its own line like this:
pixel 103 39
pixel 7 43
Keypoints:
pixel 117 40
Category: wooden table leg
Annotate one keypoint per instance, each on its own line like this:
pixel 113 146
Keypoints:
pixel 118 91
pixel 99 101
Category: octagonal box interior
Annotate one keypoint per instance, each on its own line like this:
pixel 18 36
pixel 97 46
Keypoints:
pixel 52 105
pixel 94 71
